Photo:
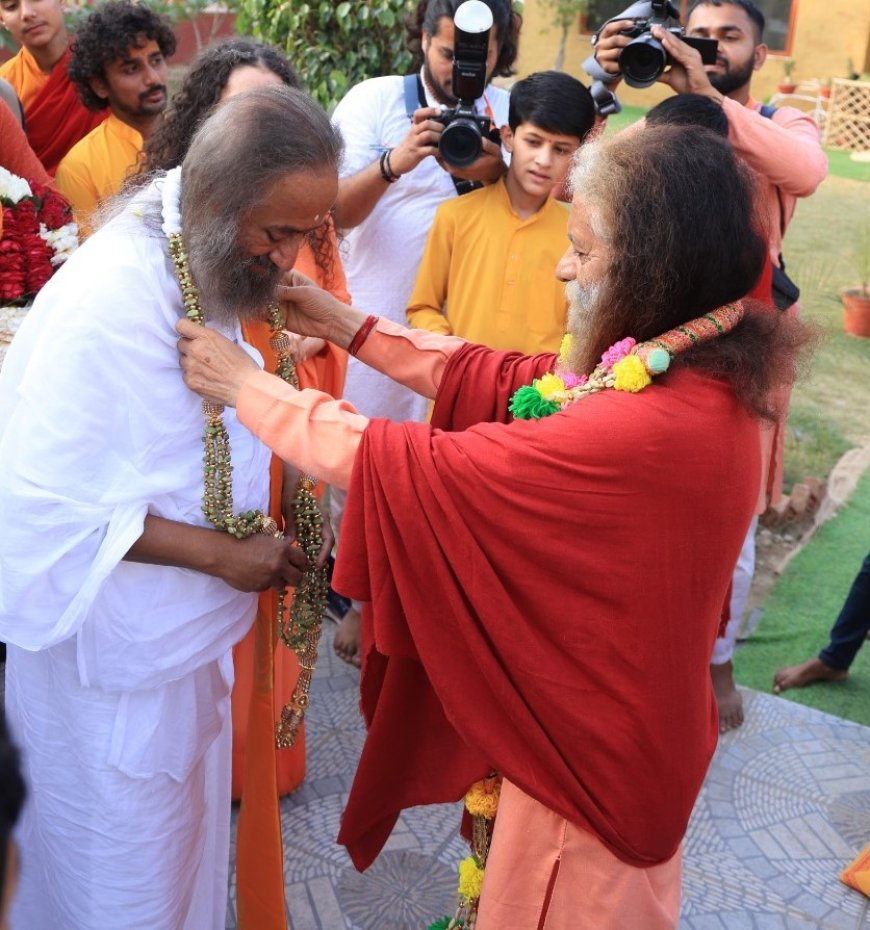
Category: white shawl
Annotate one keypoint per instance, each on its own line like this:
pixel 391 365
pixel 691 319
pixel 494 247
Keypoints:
pixel 97 429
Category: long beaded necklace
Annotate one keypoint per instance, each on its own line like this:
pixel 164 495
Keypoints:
pixel 301 630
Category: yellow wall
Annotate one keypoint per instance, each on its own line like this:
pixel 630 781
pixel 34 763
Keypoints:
pixel 827 33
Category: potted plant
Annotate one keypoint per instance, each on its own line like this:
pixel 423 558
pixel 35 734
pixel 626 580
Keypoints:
pixel 825 88
pixel 787 85
pixel 856 300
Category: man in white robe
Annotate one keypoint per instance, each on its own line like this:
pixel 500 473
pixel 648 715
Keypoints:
pixel 119 602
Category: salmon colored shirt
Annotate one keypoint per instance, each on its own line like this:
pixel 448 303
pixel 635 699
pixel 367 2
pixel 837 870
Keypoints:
pixel 95 168
pixel 488 275
pixel 319 434
pixel 785 153
pixel 16 155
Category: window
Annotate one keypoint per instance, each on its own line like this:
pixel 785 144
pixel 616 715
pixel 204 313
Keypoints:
pixel 777 16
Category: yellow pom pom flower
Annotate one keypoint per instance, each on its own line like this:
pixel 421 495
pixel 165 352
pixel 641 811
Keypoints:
pixel 630 374
pixel 470 879
pixel 550 385
pixel 482 798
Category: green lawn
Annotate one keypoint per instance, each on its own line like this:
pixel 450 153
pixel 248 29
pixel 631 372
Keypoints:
pixel 798 614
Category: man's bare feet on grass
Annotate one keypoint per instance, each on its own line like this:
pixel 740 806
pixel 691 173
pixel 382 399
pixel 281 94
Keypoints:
pixel 728 698
pixel 797 676
pixel 346 641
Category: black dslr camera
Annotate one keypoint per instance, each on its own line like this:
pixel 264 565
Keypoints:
pixel 464 127
pixel 643 60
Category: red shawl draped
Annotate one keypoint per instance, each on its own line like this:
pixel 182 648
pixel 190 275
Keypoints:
pixel 544 600
pixel 56 119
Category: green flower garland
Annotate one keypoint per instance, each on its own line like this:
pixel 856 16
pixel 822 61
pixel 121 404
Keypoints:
pixel 301 631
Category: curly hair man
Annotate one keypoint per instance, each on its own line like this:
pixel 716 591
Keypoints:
pixel 118 63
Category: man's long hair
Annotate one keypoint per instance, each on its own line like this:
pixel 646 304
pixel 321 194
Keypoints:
pixel 679 212
pixel 194 102
pixel 237 157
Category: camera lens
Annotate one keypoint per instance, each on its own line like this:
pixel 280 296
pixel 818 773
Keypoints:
pixel 459 144
pixel 642 61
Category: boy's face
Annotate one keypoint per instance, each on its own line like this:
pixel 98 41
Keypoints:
pixel 32 23
pixel 539 159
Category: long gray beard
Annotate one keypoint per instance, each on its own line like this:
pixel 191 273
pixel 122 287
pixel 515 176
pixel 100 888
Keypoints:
pixel 231 287
pixel 582 307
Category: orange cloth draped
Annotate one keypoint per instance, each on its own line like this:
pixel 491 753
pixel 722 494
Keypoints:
pixel 94 169
pixel 16 155
pixel 54 116
pixel 266 673
pixel 580 564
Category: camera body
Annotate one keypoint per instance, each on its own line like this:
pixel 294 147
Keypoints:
pixel 464 128
pixel 644 59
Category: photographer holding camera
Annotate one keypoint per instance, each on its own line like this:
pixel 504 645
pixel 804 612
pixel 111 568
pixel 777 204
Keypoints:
pixel 393 179
pixel 781 145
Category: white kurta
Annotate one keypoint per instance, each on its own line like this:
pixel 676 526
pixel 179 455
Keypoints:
pixel 118 674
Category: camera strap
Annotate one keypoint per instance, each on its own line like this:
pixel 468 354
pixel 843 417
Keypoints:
pixel 785 291
pixel 415 96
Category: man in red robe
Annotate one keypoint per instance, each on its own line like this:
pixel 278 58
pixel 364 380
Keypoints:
pixel 544 592
pixel 54 116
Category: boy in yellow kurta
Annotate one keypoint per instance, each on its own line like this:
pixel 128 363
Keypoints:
pixel 486 273
pixel 118 63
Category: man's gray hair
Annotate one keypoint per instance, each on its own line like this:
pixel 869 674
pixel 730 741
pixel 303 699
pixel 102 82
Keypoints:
pixel 249 144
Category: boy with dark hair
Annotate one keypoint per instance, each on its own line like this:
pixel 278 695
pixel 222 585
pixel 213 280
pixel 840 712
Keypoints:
pixel 689 110
pixel 118 62
pixel 486 273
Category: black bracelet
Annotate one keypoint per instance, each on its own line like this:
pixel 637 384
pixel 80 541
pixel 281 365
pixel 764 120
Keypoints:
pixel 386 169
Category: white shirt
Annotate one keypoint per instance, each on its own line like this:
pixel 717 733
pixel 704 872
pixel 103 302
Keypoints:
pixel 382 254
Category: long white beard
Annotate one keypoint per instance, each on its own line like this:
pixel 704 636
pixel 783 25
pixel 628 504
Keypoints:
pixel 582 305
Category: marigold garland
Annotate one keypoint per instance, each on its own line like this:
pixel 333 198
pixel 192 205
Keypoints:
pixel 481 802
pixel 625 366
pixel 301 632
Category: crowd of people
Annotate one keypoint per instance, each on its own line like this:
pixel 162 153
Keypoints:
pixel 494 423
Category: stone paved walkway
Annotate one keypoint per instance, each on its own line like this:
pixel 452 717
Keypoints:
pixel 786 804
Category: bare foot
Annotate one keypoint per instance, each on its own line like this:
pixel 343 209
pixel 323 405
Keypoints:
pixel 796 676
pixel 729 701
pixel 346 642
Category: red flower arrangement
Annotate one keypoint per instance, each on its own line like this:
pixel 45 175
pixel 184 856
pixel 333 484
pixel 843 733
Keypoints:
pixel 37 236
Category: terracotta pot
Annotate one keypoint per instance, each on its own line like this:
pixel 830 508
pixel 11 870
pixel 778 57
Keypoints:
pixel 856 312
pixel 786 88
pixel 825 91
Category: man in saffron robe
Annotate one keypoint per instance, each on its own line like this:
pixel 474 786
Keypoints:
pixel 118 64
pixel 54 116
pixel 544 593
pixel 120 602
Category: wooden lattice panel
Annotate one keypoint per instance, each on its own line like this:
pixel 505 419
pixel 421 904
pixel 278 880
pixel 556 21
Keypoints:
pixel 848 122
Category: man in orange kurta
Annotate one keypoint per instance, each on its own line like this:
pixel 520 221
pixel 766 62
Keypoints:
pixel 118 65
pixel 54 116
